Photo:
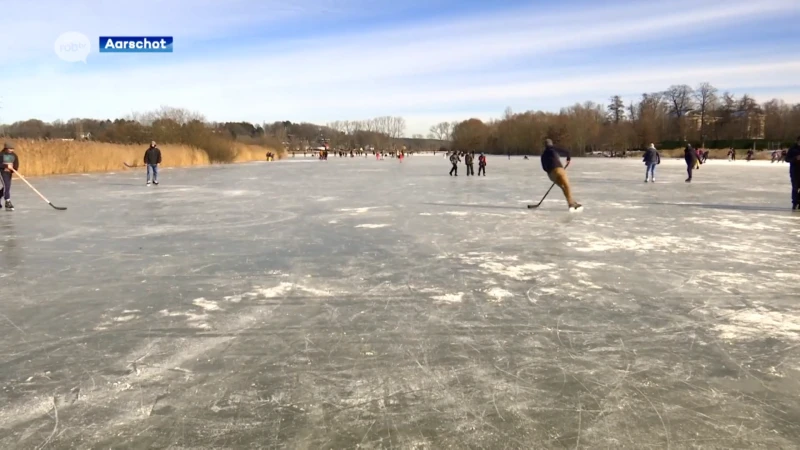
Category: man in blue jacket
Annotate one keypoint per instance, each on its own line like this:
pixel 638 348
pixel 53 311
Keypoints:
pixel 651 160
pixel 793 158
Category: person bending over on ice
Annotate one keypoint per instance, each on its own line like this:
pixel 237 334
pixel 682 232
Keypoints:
pixel 482 164
pixel 551 163
pixel 8 160
pixel 651 160
pixel 793 158
pixel 152 158
pixel 454 160
pixel 692 162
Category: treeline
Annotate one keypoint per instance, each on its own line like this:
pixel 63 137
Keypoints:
pixel 165 126
pixel 669 119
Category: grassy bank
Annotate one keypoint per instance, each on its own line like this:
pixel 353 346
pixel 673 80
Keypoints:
pixel 40 158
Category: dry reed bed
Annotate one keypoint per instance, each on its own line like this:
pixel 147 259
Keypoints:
pixel 39 158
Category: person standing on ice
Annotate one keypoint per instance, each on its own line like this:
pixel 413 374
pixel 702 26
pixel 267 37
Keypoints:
pixel 152 158
pixel 454 160
pixel 651 160
pixel 793 158
pixel 692 162
pixel 469 162
pixel 8 160
pixel 551 163
pixel 482 164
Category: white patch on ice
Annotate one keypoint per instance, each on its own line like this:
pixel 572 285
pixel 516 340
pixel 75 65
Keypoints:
pixel 326 199
pixel 519 272
pixel 207 305
pixel 589 265
pixel 125 318
pixel 333 221
pixel 316 292
pixel 759 323
pixel 372 225
pixel 450 298
pixel 236 193
pixel 425 214
pixel 669 243
pixel 357 210
pixel 738 225
pixel 456 213
pixel 233 298
pixel 276 291
pixel 130 311
pixel 499 294
pixel 195 320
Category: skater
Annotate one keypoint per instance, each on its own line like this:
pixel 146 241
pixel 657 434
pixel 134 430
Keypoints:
pixel 152 158
pixel 705 155
pixel 750 154
pixel 551 163
pixel 469 162
pixel 8 160
pixel 692 162
pixel 731 155
pixel 793 158
pixel 454 160
pixel 482 164
pixel 651 160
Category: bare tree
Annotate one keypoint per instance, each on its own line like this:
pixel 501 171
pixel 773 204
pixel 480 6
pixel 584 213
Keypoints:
pixel 442 131
pixel 706 97
pixel 681 101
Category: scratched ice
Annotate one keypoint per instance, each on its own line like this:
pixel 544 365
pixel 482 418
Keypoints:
pixel 370 303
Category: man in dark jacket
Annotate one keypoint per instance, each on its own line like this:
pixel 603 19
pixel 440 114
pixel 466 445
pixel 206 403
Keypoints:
pixel 152 158
pixel 651 160
pixel 692 162
pixel 793 158
pixel 469 161
pixel 551 163
pixel 8 160
pixel 482 164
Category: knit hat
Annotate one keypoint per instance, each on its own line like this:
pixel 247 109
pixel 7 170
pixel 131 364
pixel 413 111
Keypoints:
pixel 8 146
pixel 652 146
pixel 548 142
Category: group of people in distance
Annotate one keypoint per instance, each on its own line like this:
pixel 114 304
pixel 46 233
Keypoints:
pixel 469 162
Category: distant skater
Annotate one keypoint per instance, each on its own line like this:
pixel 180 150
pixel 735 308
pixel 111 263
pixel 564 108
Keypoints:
pixel 8 160
pixel 692 161
pixel 469 161
pixel 732 154
pixel 793 158
pixel 152 158
pixel 454 160
pixel 482 164
pixel 750 154
pixel 551 163
pixel 651 160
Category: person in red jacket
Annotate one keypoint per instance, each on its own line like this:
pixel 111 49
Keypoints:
pixel 482 164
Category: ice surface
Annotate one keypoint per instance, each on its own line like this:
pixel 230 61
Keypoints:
pixel 368 303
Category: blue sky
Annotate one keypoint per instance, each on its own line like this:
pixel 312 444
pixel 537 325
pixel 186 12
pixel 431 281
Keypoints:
pixel 428 61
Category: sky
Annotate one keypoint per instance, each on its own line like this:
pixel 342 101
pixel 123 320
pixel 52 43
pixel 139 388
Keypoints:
pixel 428 61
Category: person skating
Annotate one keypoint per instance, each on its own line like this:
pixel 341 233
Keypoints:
pixel 152 158
pixel 454 160
pixel 469 162
pixel 8 160
pixel 750 155
pixel 482 164
pixel 731 155
pixel 651 160
pixel 793 158
pixel 551 163
pixel 692 163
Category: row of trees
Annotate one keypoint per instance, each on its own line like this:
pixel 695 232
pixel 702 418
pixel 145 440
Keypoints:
pixel 670 118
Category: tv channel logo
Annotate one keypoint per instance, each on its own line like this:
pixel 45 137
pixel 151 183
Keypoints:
pixel 135 44
pixel 72 47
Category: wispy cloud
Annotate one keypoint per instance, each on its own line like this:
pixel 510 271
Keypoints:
pixel 426 69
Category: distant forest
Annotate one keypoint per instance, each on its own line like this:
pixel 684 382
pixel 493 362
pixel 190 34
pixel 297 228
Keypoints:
pixel 669 119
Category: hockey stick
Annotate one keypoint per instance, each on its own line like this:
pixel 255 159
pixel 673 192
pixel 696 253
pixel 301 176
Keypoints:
pixel 128 165
pixel 60 208
pixel 545 194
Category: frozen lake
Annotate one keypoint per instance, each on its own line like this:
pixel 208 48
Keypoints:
pixel 373 304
